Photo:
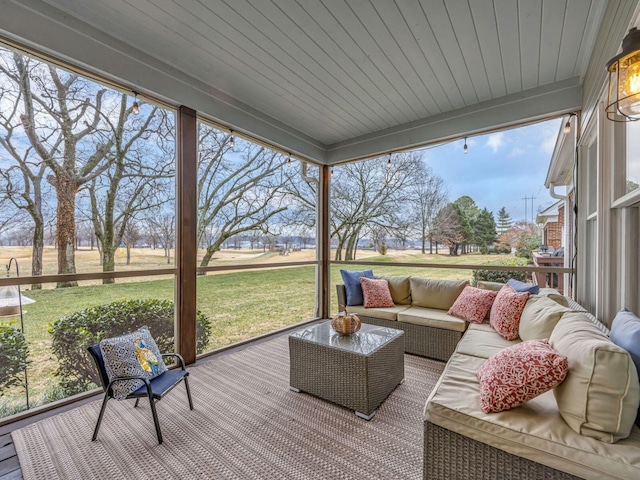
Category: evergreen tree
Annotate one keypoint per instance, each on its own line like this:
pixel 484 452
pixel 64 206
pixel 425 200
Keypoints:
pixel 504 221
pixel 468 211
pixel 484 229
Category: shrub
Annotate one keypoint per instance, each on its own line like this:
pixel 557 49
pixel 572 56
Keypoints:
pixel 383 248
pixel 501 276
pixel 14 356
pixel 73 333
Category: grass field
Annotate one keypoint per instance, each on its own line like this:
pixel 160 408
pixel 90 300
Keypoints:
pixel 240 305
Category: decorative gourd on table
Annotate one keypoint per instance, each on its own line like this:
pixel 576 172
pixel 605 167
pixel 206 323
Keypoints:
pixel 346 323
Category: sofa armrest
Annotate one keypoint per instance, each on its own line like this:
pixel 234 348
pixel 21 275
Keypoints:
pixel 342 295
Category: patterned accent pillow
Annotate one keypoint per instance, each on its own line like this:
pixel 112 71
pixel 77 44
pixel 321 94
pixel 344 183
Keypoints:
pixel 473 304
pixel 376 293
pixel 506 311
pixel 131 355
pixel 519 373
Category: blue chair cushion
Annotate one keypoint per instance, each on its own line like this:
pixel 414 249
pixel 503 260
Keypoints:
pixel 352 285
pixel 161 384
pixel 519 286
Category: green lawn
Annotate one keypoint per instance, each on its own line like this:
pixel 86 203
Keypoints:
pixel 240 305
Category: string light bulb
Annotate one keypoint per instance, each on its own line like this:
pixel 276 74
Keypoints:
pixel 331 171
pixel 232 142
pixel 389 161
pixel 136 107
pixel 289 160
pixel 465 148
pixel 567 126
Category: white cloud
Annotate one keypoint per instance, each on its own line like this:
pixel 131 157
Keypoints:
pixel 516 152
pixel 495 141
pixel 549 137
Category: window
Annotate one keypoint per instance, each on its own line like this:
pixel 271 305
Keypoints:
pixel 256 208
pixel 98 197
pixel 632 157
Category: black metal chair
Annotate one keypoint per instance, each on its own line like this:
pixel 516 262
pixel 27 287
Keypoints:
pixel 154 389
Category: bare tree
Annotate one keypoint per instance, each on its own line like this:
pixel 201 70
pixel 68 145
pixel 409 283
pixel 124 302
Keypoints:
pixel 140 162
pixel 58 112
pixel 449 229
pixel 367 194
pixel 239 190
pixel 429 196
pixel 163 228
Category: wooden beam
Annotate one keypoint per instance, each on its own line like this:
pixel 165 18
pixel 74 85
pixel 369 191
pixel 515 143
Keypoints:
pixel 186 234
pixel 324 244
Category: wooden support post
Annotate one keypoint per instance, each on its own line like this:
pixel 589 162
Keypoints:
pixel 186 247
pixel 324 244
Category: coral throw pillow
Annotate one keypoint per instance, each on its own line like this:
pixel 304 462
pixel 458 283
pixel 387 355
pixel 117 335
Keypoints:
pixel 473 304
pixel 519 373
pixel 506 311
pixel 376 292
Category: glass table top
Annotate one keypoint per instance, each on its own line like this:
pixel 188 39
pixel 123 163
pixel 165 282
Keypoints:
pixel 365 341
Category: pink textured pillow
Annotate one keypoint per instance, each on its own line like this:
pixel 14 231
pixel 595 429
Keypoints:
pixel 376 292
pixel 506 311
pixel 473 304
pixel 519 373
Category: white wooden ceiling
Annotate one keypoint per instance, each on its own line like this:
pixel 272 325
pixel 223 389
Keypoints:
pixel 338 73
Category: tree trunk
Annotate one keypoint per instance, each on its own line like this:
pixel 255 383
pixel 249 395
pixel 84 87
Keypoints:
pixel 208 254
pixel 108 263
pixel 348 254
pixel 338 256
pixel 66 227
pixel 36 253
pixel 128 247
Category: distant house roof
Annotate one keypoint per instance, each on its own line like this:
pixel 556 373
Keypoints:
pixel 549 214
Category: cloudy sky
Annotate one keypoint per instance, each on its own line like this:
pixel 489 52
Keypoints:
pixel 500 169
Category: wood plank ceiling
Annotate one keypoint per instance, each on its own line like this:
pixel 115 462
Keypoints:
pixel 339 70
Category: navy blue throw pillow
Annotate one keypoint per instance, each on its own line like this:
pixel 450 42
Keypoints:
pixel 519 286
pixel 352 285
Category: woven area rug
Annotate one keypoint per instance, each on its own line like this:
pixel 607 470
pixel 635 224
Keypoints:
pixel 246 424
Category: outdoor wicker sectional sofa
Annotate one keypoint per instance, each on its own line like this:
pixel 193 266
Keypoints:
pixel 534 440
pixel 421 311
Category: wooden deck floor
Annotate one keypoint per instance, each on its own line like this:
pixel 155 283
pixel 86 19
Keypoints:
pixel 9 465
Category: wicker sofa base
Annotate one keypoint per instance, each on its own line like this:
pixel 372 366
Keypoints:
pixel 437 343
pixel 449 455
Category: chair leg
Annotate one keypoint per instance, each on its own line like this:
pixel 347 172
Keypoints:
pixel 186 384
pixel 104 407
pixel 136 404
pixel 155 418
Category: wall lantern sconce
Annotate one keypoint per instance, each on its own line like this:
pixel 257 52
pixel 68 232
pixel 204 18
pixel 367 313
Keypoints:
pixel 623 104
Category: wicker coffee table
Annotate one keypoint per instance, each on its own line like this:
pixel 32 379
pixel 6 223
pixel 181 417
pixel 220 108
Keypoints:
pixel 357 371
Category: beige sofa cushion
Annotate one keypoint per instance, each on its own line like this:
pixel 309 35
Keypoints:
pixel 600 396
pixel 400 288
pixel 387 313
pixel 495 286
pixel 534 430
pixel 553 294
pixel 431 293
pixel 482 343
pixel 432 317
pixel 540 316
